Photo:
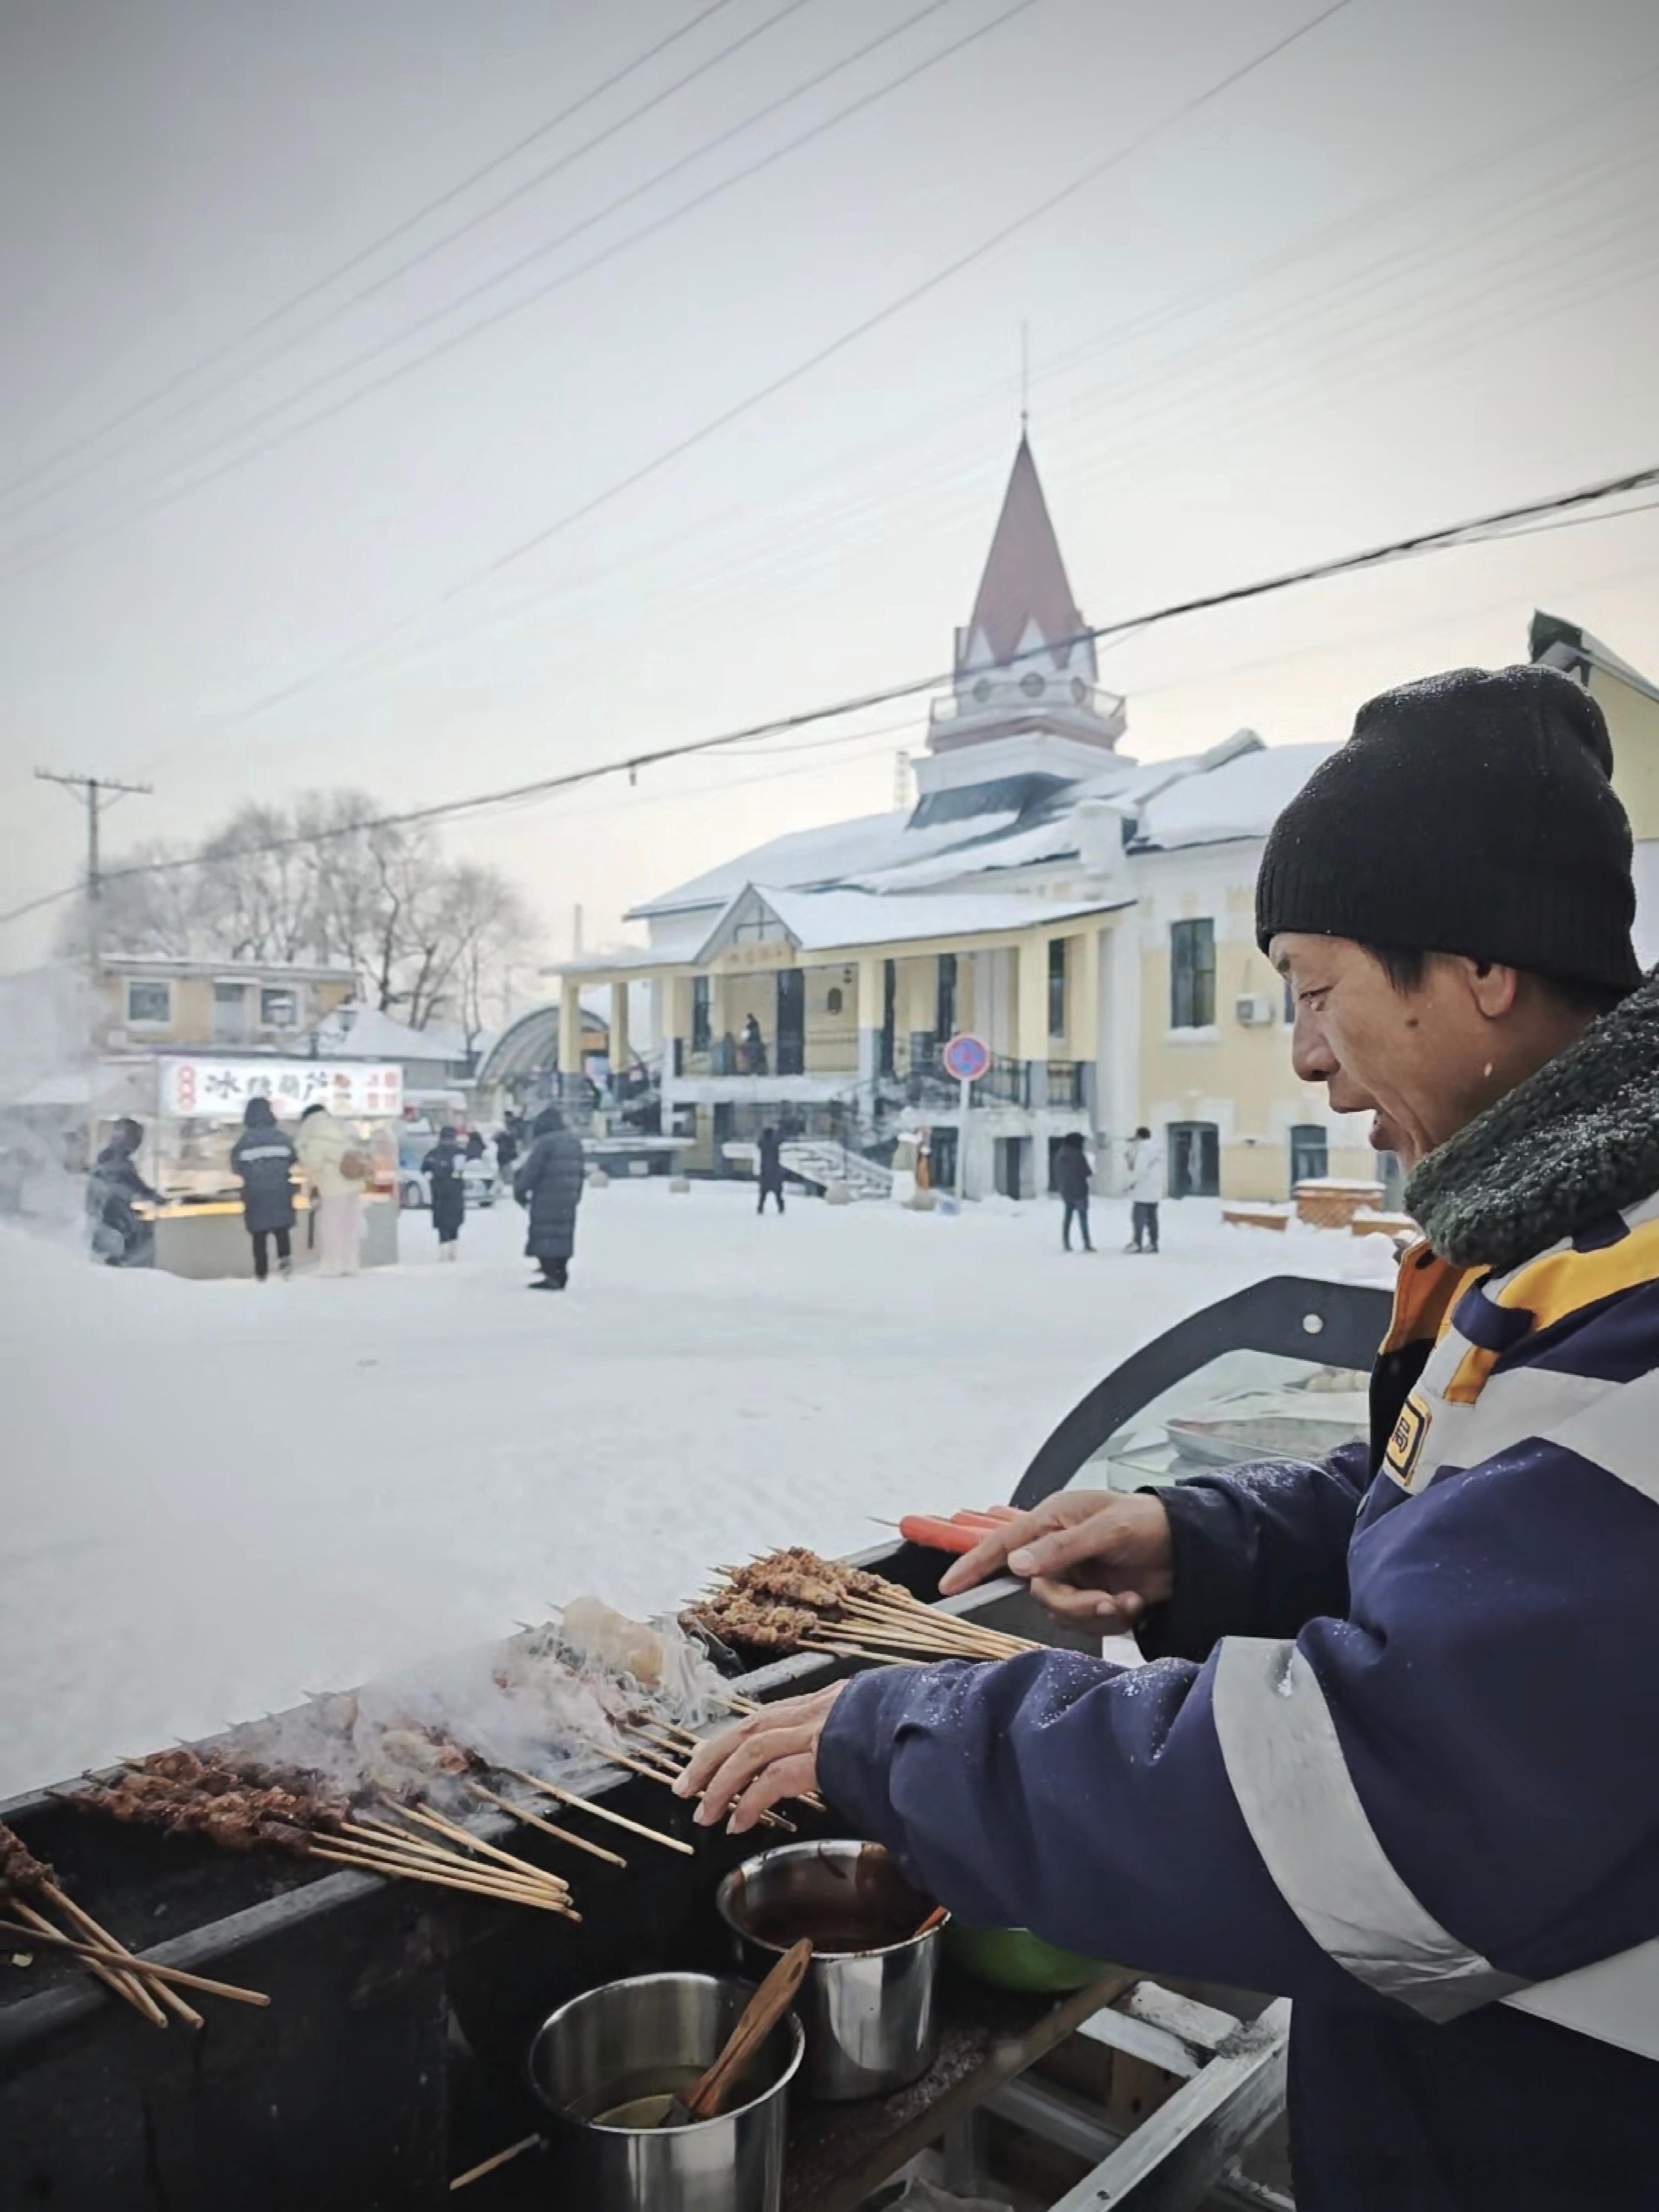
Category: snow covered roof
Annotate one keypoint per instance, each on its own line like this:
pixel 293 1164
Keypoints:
pixel 163 963
pixel 825 920
pixel 1241 797
pixel 367 1033
pixel 806 858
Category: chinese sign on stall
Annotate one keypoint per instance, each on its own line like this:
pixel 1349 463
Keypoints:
pixel 218 1090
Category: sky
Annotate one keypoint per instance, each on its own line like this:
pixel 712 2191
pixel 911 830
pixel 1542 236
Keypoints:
pixel 431 400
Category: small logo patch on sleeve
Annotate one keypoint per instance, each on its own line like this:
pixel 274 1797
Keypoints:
pixel 1405 1441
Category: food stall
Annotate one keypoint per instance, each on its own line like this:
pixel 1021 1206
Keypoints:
pixel 195 1117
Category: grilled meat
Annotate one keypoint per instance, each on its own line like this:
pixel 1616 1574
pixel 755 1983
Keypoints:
pixel 19 1870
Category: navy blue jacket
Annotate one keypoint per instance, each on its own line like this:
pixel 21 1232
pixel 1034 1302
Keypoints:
pixel 1398 1763
pixel 444 1169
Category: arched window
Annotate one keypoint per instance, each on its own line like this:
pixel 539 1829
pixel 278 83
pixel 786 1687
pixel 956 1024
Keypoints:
pixel 833 999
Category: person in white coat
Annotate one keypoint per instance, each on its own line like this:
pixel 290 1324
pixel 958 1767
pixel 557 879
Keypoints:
pixel 337 1167
pixel 1143 1168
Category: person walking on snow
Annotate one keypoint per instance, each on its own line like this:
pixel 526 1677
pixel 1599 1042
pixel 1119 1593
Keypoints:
pixel 264 1159
pixel 1143 1165
pixel 443 1168
pixel 1395 1761
pixel 507 1149
pixel 549 1182
pixel 1072 1181
pixel 336 1171
pixel 769 1156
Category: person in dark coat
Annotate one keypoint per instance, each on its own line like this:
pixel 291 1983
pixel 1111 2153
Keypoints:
pixel 443 1168
pixel 1072 1181
pixel 114 1183
pixel 264 1158
pixel 549 1182
pixel 506 1148
pixel 475 1143
pixel 754 1048
pixel 770 1155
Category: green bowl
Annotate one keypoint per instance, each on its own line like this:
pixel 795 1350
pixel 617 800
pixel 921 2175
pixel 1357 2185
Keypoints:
pixel 1014 1959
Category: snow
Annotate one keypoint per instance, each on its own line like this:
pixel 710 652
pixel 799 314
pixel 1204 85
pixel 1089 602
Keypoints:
pixel 369 1033
pixel 1242 797
pixel 825 920
pixel 216 1496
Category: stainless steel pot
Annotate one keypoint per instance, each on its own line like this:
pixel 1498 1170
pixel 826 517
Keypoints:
pixel 610 2046
pixel 868 2004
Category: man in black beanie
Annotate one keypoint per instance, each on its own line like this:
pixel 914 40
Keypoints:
pixel 1398 1761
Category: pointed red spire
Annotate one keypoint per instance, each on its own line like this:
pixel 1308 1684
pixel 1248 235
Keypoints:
pixel 1024 579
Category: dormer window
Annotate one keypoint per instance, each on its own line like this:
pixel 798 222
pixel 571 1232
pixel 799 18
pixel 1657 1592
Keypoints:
pixel 1031 684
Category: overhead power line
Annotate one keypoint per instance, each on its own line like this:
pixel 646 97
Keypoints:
pixel 166 488
pixel 1480 529
pixel 366 254
pixel 400 270
pixel 813 361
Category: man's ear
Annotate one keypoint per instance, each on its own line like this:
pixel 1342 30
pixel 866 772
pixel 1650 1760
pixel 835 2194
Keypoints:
pixel 1493 988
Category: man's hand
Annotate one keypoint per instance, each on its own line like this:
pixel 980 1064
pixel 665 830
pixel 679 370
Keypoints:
pixel 1096 1557
pixel 770 1756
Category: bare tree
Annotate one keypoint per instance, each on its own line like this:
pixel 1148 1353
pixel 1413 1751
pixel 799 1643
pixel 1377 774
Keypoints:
pixel 331 881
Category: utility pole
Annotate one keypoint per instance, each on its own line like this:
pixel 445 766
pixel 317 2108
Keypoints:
pixel 95 793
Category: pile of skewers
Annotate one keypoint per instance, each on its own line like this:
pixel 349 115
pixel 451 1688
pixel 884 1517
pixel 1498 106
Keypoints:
pixel 794 1601
pixel 28 1884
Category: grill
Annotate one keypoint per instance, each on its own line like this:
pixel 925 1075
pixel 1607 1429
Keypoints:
pixel 398 2020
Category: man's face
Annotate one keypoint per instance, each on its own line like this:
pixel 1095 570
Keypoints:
pixel 1418 1062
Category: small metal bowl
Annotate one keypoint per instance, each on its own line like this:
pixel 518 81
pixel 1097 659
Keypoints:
pixel 613 2046
pixel 868 2003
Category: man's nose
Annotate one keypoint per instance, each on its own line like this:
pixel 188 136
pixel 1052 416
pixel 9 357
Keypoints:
pixel 1311 1057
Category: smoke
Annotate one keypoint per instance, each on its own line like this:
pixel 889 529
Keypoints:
pixel 533 1703
pixel 46 1088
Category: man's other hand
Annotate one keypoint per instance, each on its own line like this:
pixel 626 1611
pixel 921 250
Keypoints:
pixel 1095 1558
pixel 749 1768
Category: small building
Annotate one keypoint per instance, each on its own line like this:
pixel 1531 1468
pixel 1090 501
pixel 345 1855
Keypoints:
pixel 147 1001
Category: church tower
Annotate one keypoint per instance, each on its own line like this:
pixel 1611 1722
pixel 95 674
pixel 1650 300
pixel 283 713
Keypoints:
pixel 1022 669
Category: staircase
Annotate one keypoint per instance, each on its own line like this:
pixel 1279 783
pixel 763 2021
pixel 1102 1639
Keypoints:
pixel 821 1160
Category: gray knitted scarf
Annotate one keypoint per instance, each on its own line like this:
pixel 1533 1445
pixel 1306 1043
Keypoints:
pixel 1575 1142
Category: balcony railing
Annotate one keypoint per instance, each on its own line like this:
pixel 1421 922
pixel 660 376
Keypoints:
pixel 1066 1084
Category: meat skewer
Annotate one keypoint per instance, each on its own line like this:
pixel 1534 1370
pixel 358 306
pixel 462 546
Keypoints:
pixel 23 1877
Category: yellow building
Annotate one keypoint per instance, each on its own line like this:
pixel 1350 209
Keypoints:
pixel 146 1002
pixel 1089 918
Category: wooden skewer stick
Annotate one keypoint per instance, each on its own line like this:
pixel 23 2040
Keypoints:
pixel 399 1840
pixel 600 1812
pixel 151 1969
pixel 489 2165
pixel 73 1913
pixel 468 1841
pixel 459 1869
pixel 548 1828
pixel 124 1985
pixel 391 1868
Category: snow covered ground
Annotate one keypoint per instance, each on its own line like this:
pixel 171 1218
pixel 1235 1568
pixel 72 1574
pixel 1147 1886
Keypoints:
pixel 216 1496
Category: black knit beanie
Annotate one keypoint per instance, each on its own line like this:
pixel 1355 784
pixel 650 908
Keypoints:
pixel 1474 813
